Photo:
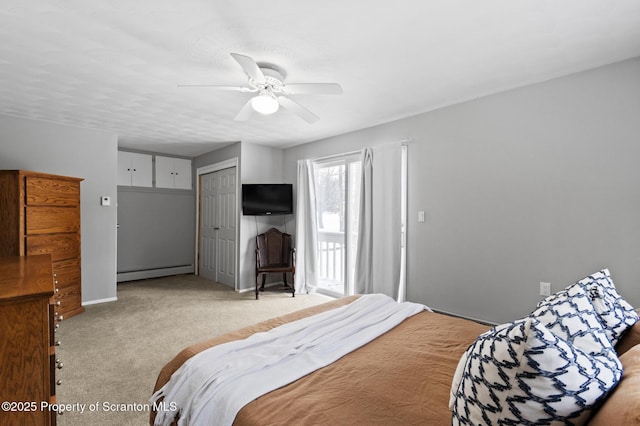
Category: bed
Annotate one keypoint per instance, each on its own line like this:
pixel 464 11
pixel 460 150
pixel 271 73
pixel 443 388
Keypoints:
pixel 402 377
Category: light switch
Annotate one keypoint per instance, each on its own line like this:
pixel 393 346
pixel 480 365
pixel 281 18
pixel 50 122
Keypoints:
pixel 105 201
pixel 421 217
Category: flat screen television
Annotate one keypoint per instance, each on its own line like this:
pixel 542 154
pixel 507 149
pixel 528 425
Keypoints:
pixel 261 199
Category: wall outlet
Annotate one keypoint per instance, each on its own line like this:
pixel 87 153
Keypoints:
pixel 545 289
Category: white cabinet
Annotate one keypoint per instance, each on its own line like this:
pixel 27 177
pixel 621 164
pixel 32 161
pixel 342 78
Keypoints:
pixel 173 173
pixel 135 169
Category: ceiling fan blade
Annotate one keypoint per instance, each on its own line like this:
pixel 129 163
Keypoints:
pixel 250 67
pixel 313 88
pixel 218 87
pixel 295 107
pixel 245 113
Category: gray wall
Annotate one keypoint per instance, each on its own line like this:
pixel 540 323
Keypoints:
pixel 156 229
pixel 260 164
pixel 70 151
pixel 535 184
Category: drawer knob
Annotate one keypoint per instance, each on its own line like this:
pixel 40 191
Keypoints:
pixel 58 303
pixel 60 318
pixel 58 382
pixel 60 365
pixel 58 343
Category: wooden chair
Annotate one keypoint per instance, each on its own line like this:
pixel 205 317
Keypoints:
pixel 275 254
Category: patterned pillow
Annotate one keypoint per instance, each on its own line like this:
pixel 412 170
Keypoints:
pixel 572 317
pixel 615 314
pixel 522 373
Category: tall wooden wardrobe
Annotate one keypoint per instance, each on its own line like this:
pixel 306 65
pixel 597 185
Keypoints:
pixel 40 214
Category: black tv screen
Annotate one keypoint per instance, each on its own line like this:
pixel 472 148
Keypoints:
pixel 260 199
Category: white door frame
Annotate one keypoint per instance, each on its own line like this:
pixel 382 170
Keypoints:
pixel 233 162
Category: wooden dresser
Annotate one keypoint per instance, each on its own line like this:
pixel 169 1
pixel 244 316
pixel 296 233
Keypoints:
pixel 27 347
pixel 40 214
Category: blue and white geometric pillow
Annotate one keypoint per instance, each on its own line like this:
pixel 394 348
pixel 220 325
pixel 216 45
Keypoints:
pixel 522 373
pixel 571 316
pixel 615 314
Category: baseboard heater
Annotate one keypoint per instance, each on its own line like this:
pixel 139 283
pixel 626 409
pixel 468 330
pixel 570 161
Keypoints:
pixel 154 273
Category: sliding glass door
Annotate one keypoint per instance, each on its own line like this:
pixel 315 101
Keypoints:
pixel 338 199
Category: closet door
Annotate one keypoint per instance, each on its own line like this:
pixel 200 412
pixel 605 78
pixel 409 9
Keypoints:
pixel 227 211
pixel 217 254
pixel 208 224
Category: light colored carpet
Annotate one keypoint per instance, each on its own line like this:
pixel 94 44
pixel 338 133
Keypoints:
pixel 112 352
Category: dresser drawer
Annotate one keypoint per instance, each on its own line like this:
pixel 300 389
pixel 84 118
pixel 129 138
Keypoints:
pixel 51 220
pixel 48 191
pixel 62 246
pixel 70 301
pixel 68 272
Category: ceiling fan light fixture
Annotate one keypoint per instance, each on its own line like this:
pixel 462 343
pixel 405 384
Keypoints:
pixel 264 104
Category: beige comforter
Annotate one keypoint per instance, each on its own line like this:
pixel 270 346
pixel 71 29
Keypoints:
pixel 402 377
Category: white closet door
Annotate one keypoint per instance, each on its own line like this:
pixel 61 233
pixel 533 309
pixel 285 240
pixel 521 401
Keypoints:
pixel 208 232
pixel 218 212
pixel 227 211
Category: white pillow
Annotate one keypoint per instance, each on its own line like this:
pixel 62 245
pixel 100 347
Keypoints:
pixel 571 316
pixel 615 314
pixel 520 372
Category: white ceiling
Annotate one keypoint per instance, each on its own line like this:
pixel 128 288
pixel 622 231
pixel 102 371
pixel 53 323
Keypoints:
pixel 116 64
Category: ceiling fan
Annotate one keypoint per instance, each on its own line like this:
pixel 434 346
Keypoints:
pixel 267 82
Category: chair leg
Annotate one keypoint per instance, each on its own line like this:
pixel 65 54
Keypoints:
pixel 293 284
pixel 257 276
pixel 287 286
pixel 264 278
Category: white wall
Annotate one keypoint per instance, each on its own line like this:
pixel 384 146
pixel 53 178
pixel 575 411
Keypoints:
pixel 535 184
pixel 70 151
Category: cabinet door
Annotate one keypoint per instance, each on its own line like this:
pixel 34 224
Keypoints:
pixel 134 169
pixel 141 170
pixel 164 172
pixel 124 168
pixel 182 173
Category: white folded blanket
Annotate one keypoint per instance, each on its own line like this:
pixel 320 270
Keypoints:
pixel 212 386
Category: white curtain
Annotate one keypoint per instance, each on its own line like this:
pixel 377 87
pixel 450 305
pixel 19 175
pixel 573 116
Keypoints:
pixel 379 259
pixel 306 230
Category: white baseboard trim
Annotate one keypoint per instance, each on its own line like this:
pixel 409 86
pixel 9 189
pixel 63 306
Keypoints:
pixel 97 301
pixel 154 273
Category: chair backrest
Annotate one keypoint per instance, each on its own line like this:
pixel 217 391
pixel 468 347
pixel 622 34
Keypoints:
pixel 273 248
